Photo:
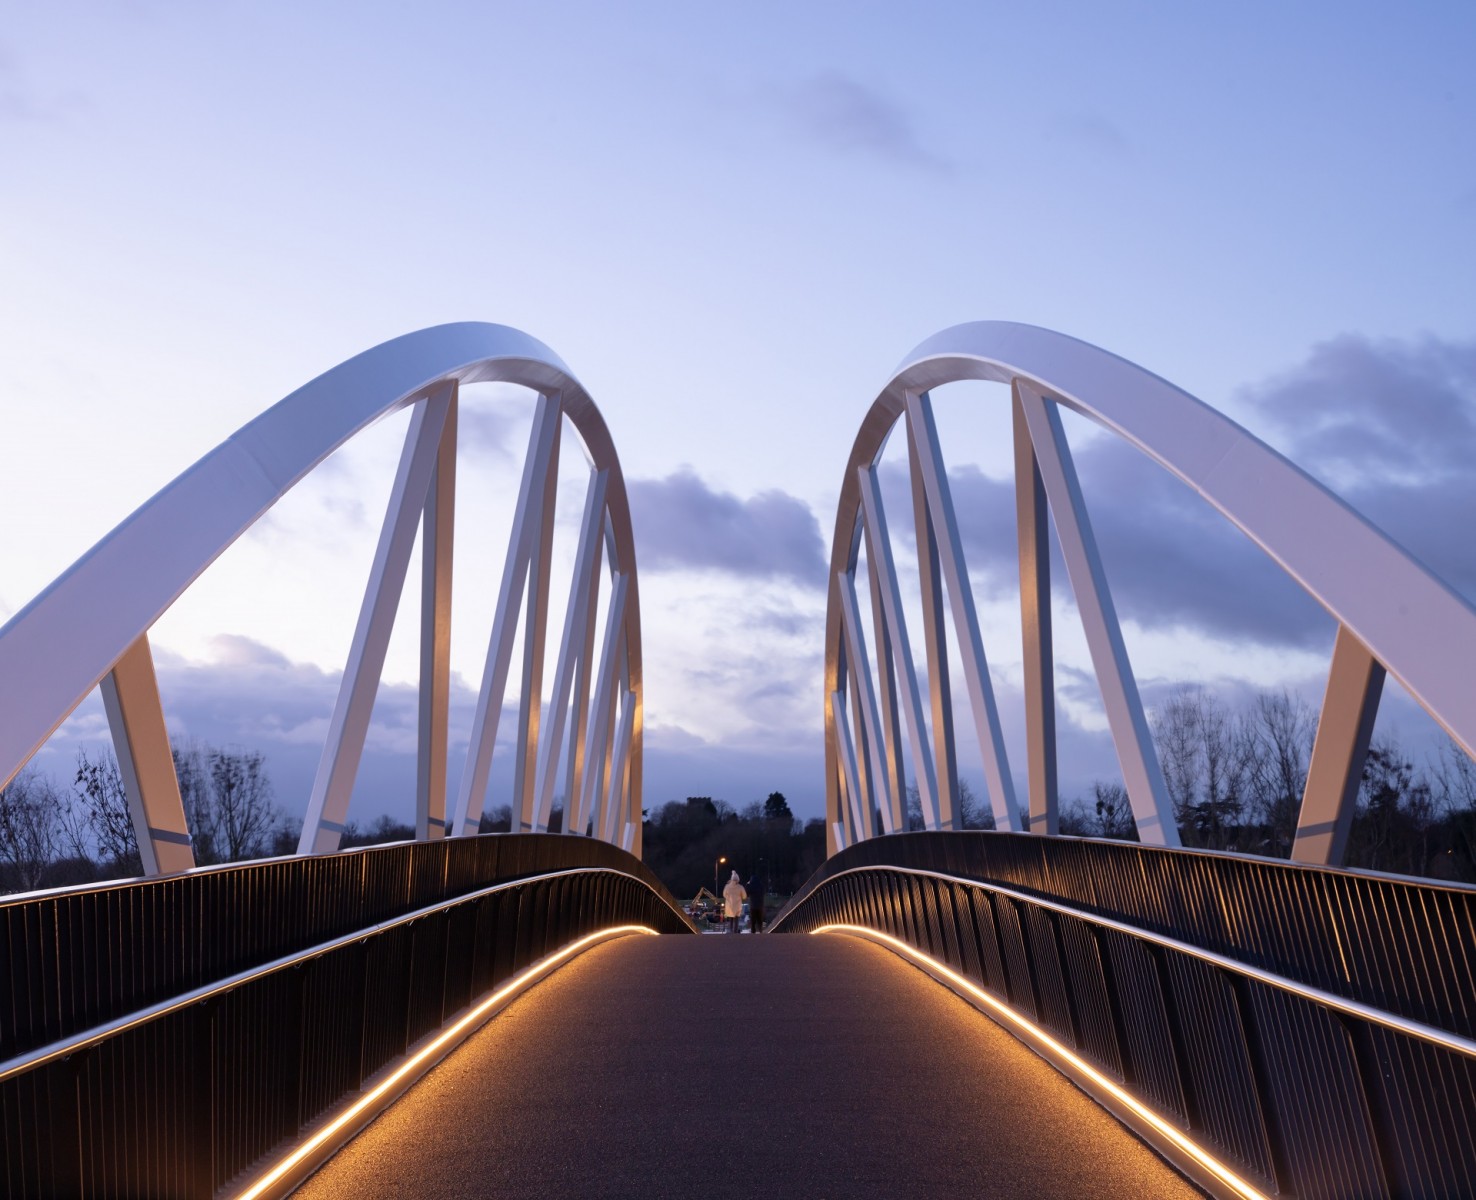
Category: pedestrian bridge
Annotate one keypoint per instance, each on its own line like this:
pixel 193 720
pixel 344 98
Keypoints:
pixel 1005 1013
pixel 1268 1028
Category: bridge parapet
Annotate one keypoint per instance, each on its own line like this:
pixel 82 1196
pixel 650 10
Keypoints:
pixel 1273 1028
pixel 77 957
pixel 162 1036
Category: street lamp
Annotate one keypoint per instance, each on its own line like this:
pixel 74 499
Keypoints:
pixel 716 867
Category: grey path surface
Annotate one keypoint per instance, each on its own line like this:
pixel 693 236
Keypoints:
pixel 752 1068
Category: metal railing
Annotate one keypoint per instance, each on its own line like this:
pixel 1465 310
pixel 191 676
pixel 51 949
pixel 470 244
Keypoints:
pixel 236 1052
pixel 1240 999
pixel 73 958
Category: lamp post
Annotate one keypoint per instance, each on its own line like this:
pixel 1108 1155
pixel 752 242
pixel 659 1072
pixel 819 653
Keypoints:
pixel 716 867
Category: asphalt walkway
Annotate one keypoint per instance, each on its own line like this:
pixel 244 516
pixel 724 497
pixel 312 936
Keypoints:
pixel 743 1068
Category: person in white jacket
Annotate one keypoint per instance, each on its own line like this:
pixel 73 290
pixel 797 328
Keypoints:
pixel 734 894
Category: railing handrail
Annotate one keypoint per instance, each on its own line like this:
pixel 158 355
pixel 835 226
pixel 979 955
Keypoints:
pixel 73 1043
pixel 1354 1008
pixel 143 941
pixel 61 891
pixel 1403 945
pixel 1269 861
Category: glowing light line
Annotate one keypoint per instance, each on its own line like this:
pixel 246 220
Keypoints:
pixel 518 983
pixel 1331 1000
pixel 1035 1033
pixel 108 1029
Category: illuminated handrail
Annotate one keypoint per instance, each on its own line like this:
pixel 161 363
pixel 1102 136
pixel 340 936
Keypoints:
pixel 313 1043
pixel 1404 945
pixel 1270 1083
pixel 22 1063
pixel 50 933
pixel 1353 1008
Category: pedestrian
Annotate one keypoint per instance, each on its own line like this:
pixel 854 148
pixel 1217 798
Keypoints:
pixel 756 906
pixel 734 894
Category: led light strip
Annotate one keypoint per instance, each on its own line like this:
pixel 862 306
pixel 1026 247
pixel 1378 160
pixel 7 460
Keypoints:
pixel 1356 1009
pixel 403 1074
pixel 1034 1033
pixel 108 1029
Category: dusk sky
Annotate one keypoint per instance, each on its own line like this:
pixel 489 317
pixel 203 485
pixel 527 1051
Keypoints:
pixel 732 223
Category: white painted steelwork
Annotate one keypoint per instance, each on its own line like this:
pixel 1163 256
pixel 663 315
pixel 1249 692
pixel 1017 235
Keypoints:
pixel 1413 625
pixel 90 626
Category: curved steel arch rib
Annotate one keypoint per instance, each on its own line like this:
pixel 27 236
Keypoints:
pixel 1410 623
pixel 90 626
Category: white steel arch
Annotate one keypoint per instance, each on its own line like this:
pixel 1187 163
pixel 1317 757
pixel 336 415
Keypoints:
pixel 1411 624
pixel 90 626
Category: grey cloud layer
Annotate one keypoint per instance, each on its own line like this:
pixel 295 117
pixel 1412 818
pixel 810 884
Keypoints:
pixel 1171 561
pixel 1391 426
pixel 682 524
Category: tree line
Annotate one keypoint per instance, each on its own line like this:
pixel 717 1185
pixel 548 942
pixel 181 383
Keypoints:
pixel 1235 777
pixel 53 835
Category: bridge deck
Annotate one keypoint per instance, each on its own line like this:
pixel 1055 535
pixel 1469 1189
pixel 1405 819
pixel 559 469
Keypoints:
pixel 690 1067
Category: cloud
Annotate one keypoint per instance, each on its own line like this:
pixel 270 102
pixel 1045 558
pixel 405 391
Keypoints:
pixel 1171 561
pixel 1391 427
pixel 849 117
pixel 682 524
pixel 234 650
pixel 1359 411
pixel 251 694
pixel 493 420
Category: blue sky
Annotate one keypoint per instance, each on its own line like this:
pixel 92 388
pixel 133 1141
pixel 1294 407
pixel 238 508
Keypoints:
pixel 731 223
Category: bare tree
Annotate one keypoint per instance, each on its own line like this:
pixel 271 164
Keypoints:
pixel 1113 812
pixel 1204 766
pixel 1074 820
pixel 1221 807
pixel 1278 732
pixel 496 819
pixel 971 813
pixel 104 804
pixel 195 795
pixel 1395 812
pixel 1175 726
pixel 32 829
pixel 1455 778
pixel 243 817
